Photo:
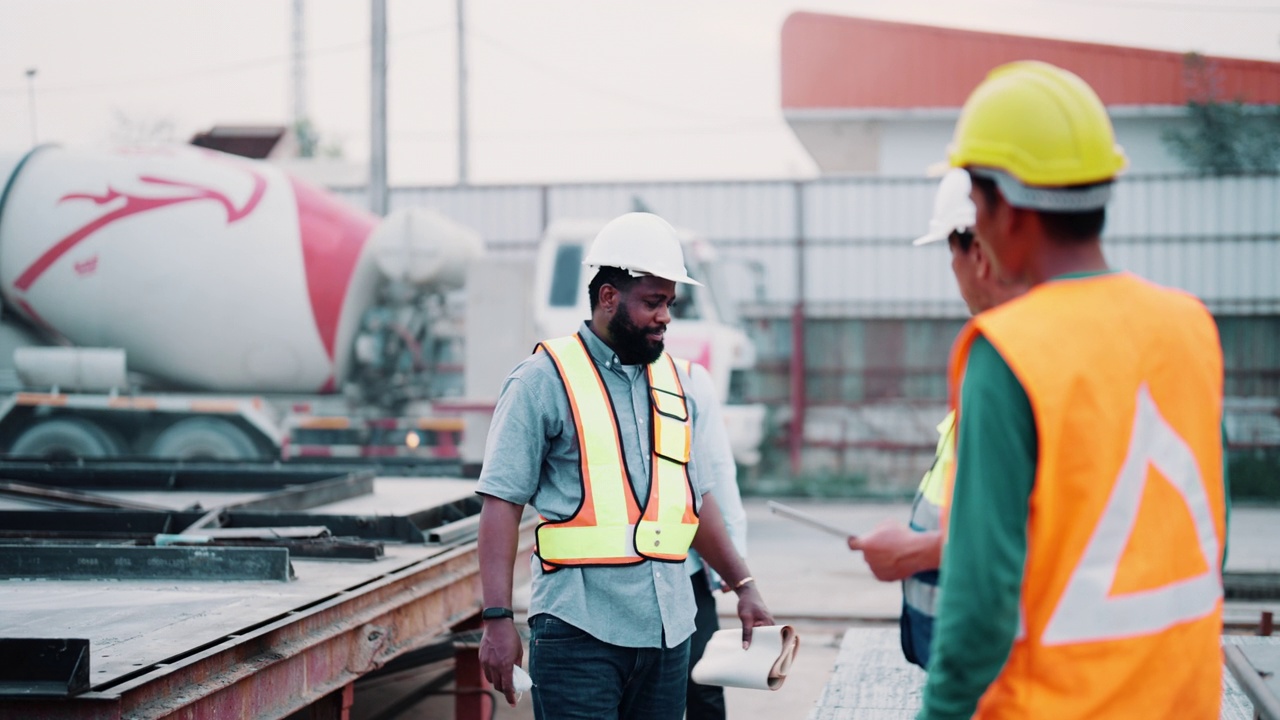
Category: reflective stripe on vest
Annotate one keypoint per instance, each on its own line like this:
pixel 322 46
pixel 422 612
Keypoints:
pixel 920 595
pixel 1127 514
pixel 610 526
pixel 921 590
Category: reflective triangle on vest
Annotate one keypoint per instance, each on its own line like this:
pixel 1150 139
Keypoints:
pixel 1088 609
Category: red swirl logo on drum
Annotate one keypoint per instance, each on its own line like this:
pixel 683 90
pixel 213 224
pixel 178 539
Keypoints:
pixel 133 205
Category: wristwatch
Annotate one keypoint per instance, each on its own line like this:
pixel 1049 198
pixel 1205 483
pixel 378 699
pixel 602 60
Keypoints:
pixel 496 613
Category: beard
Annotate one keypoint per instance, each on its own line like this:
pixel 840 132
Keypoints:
pixel 629 340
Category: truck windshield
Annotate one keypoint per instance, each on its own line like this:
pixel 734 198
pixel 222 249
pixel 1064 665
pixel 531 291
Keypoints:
pixel 709 304
pixel 565 275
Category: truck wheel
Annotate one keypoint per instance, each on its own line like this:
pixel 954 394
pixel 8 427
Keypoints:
pixel 204 439
pixel 66 438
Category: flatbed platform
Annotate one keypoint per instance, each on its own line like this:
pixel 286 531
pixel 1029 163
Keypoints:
pixel 193 643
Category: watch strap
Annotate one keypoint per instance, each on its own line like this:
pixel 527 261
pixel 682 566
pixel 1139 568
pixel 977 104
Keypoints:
pixel 496 613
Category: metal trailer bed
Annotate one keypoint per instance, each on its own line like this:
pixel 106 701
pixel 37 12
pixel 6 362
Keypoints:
pixel 218 591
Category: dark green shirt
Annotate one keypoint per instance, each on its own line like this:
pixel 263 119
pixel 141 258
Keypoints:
pixel 996 458
pixel 977 616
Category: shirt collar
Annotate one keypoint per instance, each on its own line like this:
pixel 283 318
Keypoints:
pixel 602 354
pixel 1082 274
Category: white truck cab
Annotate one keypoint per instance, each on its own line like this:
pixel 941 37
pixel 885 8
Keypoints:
pixel 702 329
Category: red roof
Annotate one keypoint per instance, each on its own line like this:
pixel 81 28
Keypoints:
pixel 829 61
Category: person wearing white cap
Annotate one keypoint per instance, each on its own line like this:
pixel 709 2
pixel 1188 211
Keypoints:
pixel 1087 519
pixel 912 553
pixel 603 433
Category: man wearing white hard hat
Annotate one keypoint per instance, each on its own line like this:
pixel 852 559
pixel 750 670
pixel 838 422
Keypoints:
pixel 597 432
pixel 913 553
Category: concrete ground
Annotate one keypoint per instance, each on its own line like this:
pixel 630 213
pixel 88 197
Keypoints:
pixel 812 581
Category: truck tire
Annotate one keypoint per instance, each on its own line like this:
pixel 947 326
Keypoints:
pixel 204 439
pixel 66 438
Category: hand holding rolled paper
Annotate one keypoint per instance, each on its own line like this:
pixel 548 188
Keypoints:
pixel 763 666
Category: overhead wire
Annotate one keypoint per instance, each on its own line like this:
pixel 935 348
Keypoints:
pixel 238 66
pixel 535 135
pixel 598 88
pixel 1163 5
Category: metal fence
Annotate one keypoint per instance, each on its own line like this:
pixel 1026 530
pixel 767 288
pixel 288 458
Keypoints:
pixel 878 314
pixel 840 244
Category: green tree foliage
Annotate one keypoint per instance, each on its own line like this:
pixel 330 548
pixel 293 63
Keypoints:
pixel 308 138
pixel 310 144
pixel 1224 136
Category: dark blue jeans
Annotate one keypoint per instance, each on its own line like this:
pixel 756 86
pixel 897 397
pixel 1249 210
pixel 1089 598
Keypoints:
pixel 704 702
pixel 577 677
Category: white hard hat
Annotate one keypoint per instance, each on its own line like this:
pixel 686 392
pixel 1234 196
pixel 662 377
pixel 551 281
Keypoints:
pixel 642 244
pixel 952 208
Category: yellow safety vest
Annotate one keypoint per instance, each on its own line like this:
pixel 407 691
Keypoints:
pixel 611 527
pixel 920 591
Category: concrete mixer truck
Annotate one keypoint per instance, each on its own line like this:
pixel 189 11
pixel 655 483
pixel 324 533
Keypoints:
pixel 185 303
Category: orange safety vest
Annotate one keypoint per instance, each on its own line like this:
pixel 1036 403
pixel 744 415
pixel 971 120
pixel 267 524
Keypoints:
pixel 1121 601
pixel 610 527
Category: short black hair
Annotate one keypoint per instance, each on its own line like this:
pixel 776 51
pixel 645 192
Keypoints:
pixel 1073 227
pixel 962 238
pixel 1062 227
pixel 986 186
pixel 607 275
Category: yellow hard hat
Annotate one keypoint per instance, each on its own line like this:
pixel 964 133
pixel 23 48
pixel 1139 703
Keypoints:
pixel 1040 124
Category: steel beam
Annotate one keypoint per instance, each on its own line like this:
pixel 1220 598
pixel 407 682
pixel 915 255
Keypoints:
pixel 97 562
pixel 474 691
pixel 169 475
pixel 294 497
pixel 62 497
pixel 1255 667
pixel 134 524
pixel 43 667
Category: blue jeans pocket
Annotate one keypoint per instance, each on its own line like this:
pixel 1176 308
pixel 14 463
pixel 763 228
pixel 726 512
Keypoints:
pixel 550 629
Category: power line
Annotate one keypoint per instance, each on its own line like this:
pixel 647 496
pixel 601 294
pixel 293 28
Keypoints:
pixel 1175 6
pixel 238 66
pixel 590 85
pixel 533 135
pixel 250 64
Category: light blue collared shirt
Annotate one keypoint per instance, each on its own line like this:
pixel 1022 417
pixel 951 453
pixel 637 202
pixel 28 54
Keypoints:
pixel 531 456
pixel 715 460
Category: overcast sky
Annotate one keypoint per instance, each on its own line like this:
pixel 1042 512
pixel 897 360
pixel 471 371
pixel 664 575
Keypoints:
pixel 560 90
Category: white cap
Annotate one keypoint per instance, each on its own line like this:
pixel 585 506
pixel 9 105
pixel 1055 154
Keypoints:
pixel 952 208
pixel 642 244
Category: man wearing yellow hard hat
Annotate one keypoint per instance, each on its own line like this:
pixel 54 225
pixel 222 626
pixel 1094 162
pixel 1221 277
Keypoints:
pixel 1086 522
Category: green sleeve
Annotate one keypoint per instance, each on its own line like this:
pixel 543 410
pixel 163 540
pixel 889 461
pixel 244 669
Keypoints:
pixel 1226 497
pixel 986 545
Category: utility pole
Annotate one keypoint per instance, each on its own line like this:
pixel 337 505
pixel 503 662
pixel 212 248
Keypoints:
pixel 378 116
pixel 298 88
pixel 31 100
pixel 462 93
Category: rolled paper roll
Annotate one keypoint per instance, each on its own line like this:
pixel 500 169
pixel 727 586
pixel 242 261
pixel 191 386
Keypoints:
pixel 763 666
